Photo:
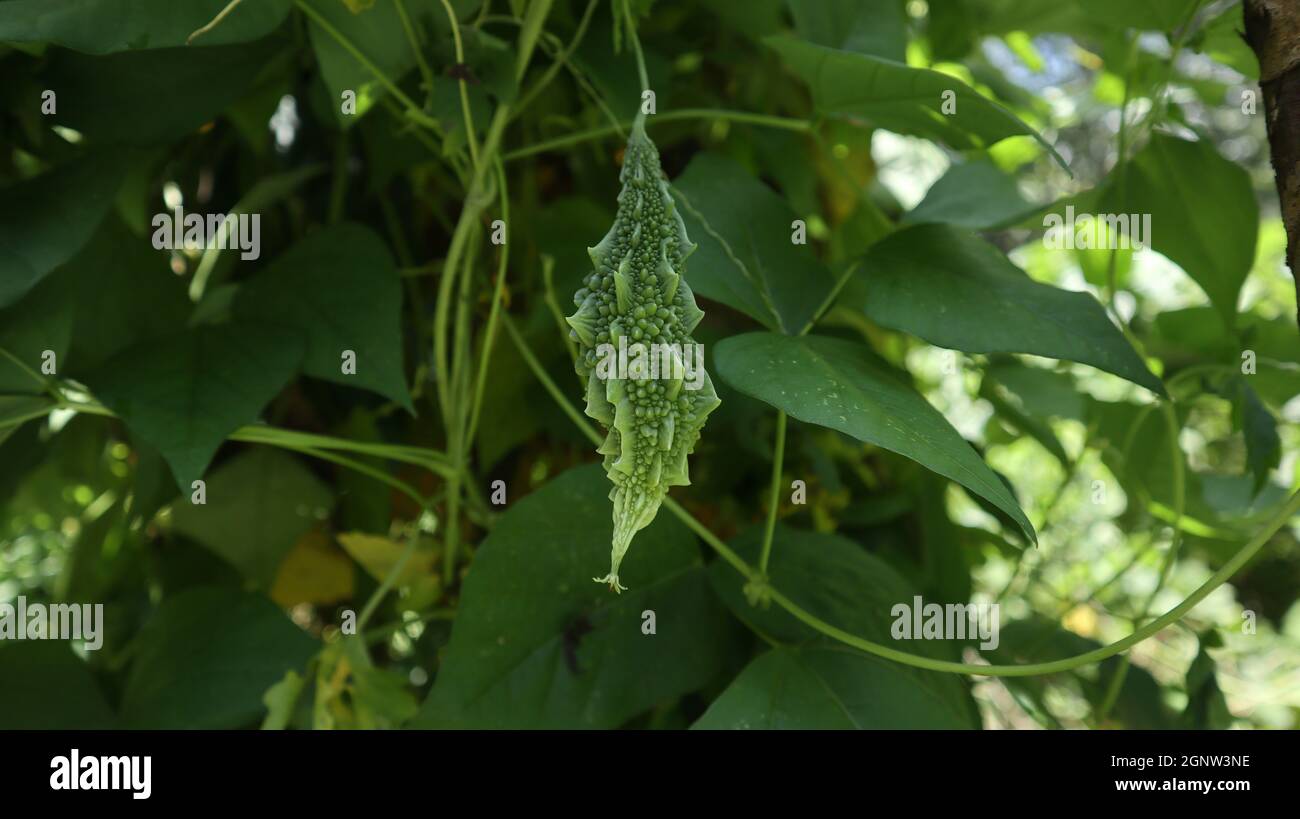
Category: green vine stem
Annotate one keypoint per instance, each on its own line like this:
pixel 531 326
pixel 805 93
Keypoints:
pixel 774 499
pixel 561 59
pixel 578 137
pixel 417 49
pixel 471 138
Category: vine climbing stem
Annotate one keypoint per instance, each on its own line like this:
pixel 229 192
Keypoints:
pixel 774 498
pixel 635 40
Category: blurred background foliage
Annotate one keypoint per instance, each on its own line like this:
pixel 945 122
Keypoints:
pixel 228 615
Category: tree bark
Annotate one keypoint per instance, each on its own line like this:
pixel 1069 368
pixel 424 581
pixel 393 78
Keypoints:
pixel 1273 32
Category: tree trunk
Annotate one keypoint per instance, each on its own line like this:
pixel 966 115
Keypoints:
pixel 1273 32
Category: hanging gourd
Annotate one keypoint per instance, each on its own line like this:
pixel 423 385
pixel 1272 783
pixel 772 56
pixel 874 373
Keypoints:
pixel 637 295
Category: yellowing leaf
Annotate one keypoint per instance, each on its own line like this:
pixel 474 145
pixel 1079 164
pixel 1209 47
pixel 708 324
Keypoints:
pixel 378 554
pixel 313 572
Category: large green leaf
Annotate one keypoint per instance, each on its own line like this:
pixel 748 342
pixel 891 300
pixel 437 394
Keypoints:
pixel 258 505
pixel 843 386
pixel 46 687
pixel 1204 217
pixel 340 289
pixel 184 393
pixel 746 258
pixel 953 289
pixel 206 658
pixel 40 323
pixel 826 688
pixel 898 97
pixel 878 28
pixel 1096 17
pixel 147 97
pixel 45 220
pixel 126 293
pixel 975 195
pixel 1259 428
pixel 105 26
pixel 537 644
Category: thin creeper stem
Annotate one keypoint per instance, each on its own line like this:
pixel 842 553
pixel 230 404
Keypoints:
pixel 214 22
pixel 465 235
pixel 778 462
pixel 412 111
pixel 830 298
pixel 1180 501
pixel 1225 572
pixel 1121 167
pixel 471 138
pixel 561 58
pixel 455 417
pixel 429 459
pixel 45 383
pixel 359 467
pixel 416 49
pixel 390 579
pixel 533 22
pixel 489 334
pixel 548 283
pixel 783 123
pixel 636 45
pixel 533 364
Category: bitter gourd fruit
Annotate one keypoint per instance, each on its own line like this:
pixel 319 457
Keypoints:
pixel 637 297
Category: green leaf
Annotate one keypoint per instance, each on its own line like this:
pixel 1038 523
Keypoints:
pixel 1040 392
pixel 1204 216
pixel 975 195
pixel 46 687
pixel 824 688
pixel 537 644
pixel 184 393
pixel 1207 709
pixel 900 98
pixel 953 289
pixel 378 34
pixel 1263 445
pixel 1196 334
pixel 147 97
pixel 258 505
pixel 40 323
pixel 1096 18
pixel 843 386
pixel 126 293
pixel 105 26
pixel 878 29
pixel 16 409
pixel 45 220
pixel 280 700
pixel 1221 39
pixel 341 291
pixel 1008 407
pixel 206 658
pixel 746 259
